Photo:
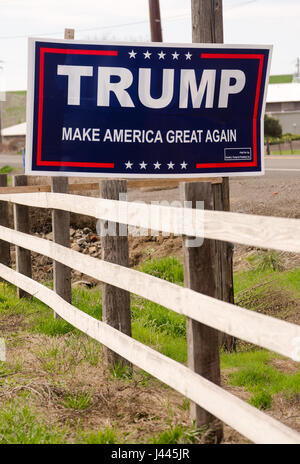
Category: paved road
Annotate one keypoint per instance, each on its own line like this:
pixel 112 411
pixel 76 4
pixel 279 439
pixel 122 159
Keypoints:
pixel 283 166
pixel 287 166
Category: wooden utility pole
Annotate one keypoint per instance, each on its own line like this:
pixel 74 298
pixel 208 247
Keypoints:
pixel 61 229
pixel 207 26
pixel 155 21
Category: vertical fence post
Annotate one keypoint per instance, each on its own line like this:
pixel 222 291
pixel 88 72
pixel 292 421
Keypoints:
pixel 115 301
pixel 4 221
pixel 61 235
pixel 200 266
pixel 207 27
pixel 224 272
pixel 21 223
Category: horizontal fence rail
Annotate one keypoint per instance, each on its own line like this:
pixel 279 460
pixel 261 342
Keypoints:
pixel 265 331
pixel 252 423
pixel 259 231
pixel 75 187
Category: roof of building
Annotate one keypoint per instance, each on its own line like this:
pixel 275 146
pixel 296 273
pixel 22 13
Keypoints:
pixel 13 131
pixel 283 93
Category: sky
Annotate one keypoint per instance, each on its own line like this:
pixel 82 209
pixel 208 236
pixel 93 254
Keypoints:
pixel 263 22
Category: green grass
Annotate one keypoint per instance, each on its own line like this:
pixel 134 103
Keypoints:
pixel 18 92
pixel 40 317
pixel 107 436
pixel 253 371
pixel 6 169
pixel 168 268
pixel 19 424
pixel 285 152
pixel 288 280
pixel 177 435
pixel 281 79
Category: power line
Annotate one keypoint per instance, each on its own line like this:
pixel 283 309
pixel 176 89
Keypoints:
pixel 241 4
pixel 114 26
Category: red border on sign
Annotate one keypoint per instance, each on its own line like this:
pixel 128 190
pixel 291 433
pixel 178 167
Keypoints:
pixel 39 161
pixel 258 86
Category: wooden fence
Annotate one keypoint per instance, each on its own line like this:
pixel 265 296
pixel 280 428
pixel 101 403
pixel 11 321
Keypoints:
pixel 273 334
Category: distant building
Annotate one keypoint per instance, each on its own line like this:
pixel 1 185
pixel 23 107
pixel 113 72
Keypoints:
pixel 283 103
pixel 14 136
pixel 19 130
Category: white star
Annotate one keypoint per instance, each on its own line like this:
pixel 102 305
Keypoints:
pixel 183 165
pixel 128 165
pixel 175 55
pixel 147 54
pixel 161 55
pixel 188 55
pixel 170 165
pixel 157 165
pixel 132 54
pixel 143 165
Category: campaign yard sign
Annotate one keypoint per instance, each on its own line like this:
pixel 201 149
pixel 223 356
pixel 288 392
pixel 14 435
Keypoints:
pixel 145 109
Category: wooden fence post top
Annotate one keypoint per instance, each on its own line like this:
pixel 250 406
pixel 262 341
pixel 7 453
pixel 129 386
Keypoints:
pixel 19 180
pixel 69 33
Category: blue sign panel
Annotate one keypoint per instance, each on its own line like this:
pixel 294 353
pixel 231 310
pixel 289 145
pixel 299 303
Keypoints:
pixel 145 110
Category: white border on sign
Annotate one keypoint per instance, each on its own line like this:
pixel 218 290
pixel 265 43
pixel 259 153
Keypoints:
pixel 30 99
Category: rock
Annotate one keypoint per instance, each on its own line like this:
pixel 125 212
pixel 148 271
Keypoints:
pixel 86 230
pixel 49 236
pixel 83 283
pixel 92 249
pixel 75 247
pixel 72 232
pixel 81 241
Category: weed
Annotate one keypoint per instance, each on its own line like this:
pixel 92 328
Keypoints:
pixel 92 351
pixel 121 371
pixel 80 400
pixel 261 400
pixel 185 405
pixel 62 356
pixel 266 260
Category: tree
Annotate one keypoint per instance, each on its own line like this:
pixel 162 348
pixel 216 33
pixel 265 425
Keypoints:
pixel 272 128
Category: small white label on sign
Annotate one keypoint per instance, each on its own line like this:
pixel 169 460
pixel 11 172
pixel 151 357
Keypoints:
pixel 237 154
